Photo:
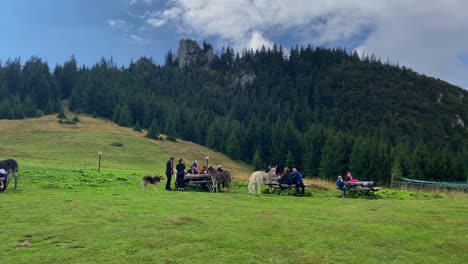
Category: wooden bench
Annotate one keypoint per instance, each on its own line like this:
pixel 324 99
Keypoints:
pixel 273 186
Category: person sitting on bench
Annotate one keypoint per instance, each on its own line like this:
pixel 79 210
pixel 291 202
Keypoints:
pixel 349 178
pixel 341 185
pixel 285 179
pixel 203 170
pixel 299 182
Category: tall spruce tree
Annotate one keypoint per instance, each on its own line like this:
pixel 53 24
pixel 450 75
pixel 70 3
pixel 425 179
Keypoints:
pixel 153 131
pixel 257 160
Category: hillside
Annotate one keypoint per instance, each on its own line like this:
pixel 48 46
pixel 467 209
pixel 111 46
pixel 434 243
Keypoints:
pixel 65 212
pixel 42 144
pixel 322 110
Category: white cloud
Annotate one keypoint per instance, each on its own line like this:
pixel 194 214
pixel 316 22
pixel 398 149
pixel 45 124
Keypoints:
pixel 257 41
pixel 134 2
pixel 117 24
pixel 160 18
pixel 427 36
pixel 138 39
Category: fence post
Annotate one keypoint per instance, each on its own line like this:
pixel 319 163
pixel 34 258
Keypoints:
pixel 99 164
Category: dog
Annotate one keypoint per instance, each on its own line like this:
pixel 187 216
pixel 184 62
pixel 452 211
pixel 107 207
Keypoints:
pixel 151 180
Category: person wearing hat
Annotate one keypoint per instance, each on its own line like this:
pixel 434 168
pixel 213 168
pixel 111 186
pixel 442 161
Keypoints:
pixel 220 168
pixel 169 172
pixel 3 179
pixel 340 185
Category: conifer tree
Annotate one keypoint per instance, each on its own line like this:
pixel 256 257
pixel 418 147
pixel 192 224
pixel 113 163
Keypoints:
pixel 232 147
pixel 289 161
pixel 257 160
pixel 420 161
pixel 49 108
pixel 153 131
pixel 137 126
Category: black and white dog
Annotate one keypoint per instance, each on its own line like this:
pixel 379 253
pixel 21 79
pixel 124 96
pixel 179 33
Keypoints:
pixel 11 168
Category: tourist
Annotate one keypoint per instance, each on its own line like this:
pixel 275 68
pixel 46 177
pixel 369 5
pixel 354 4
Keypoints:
pixel 340 184
pixel 299 182
pixel 169 172
pixel 180 175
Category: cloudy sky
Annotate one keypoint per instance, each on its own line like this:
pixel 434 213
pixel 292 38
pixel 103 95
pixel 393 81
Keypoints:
pixel 430 36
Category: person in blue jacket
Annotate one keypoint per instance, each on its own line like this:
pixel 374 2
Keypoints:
pixel 340 184
pixel 299 182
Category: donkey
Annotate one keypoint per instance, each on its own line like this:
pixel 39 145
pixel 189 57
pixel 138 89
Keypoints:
pixel 218 177
pixel 11 168
pixel 258 178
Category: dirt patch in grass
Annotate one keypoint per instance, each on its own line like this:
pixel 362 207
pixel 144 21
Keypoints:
pixel 24 243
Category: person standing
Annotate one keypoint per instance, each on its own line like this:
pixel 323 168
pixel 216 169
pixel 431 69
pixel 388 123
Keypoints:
pixel 180 175
pixel 169 172
pixel 299 182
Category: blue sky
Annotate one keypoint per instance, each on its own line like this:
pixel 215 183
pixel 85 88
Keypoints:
pixel 430 38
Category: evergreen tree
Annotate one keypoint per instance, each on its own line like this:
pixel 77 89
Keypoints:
pixel 153 131
pixel 314 140
pixel 333 156
pixel 171 129
pixel 420 161
pixel 137 127
pixel 125 117
pixel 29 107
pixel 116 115
pixel 289 161
pixel 232 147
pixel 396 170
pixel 49 108
pixel 257 161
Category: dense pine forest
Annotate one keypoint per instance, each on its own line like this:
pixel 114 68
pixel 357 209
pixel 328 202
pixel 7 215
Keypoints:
pixel 322 110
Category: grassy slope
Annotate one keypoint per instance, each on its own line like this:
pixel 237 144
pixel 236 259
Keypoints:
pixel 83 217
pixel 44 143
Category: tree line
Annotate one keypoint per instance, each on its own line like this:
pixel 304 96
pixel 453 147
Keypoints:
pixel 322 110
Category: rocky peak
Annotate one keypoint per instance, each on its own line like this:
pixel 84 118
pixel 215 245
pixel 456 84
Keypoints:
pixel 189 52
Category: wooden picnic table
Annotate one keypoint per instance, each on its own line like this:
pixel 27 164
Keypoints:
pixel 199 180
pixel 362 186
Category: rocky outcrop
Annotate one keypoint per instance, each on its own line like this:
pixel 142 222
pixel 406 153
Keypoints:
pixel 189 53
pixel 243 79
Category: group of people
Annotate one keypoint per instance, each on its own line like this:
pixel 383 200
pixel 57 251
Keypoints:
pixel 292 178
pixel 180 172
pixel 180 168
pixel 341 185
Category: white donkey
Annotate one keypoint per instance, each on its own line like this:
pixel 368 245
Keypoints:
pixel 258 178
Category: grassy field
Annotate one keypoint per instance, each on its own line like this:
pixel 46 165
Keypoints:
pixel 65 212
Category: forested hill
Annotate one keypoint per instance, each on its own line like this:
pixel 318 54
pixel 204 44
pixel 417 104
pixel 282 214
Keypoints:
pixel 322 110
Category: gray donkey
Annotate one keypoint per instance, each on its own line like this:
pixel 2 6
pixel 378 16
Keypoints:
pixel 11 168
pixel 218 177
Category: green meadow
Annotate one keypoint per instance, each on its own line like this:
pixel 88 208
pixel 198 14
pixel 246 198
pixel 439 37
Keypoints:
pixel 64 211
